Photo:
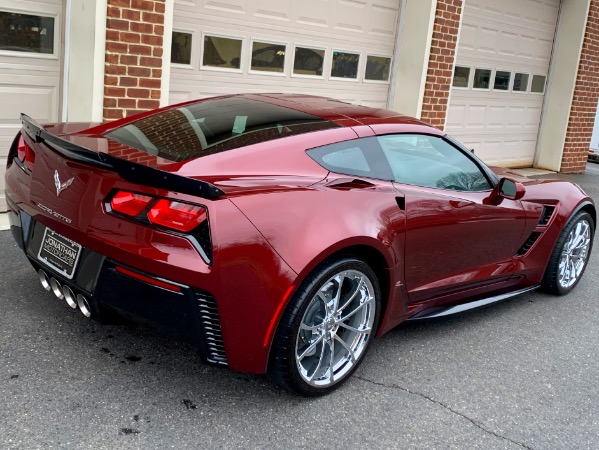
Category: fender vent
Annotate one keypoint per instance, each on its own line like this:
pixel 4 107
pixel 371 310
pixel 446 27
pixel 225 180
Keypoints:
pixel 213 336
pixel 546 215
pixel 529 243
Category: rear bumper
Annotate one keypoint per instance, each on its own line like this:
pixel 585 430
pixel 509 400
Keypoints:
pixel 170 306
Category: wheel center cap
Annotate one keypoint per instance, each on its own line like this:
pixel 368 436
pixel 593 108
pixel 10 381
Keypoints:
pixel 330 323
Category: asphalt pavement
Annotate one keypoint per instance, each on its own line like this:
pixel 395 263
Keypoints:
pixel 520 374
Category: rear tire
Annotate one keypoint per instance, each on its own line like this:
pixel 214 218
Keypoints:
pixel 570 255
pixel 326 328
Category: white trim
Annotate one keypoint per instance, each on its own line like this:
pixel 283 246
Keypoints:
pixel 396 55
pixel 455 59
pixel 66 60
pixel 167 38
pixel 97 107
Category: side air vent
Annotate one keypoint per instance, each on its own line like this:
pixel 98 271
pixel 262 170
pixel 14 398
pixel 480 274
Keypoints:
pixel 546 215
pixel 213 337
pixel 529 243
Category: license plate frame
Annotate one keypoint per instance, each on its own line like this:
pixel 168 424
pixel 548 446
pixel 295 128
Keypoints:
pixel 59 253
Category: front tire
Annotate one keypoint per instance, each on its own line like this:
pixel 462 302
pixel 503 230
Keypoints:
pixel 570 255
pixel 327 327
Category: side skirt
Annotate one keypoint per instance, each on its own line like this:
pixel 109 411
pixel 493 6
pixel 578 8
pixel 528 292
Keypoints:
pixel 434 313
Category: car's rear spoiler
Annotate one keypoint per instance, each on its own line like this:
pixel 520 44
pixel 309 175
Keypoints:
pixel 130 171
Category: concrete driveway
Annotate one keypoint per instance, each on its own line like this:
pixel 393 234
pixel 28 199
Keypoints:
pixel 521 374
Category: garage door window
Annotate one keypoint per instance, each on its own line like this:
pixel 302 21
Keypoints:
pixel 26 33
pixel 268 57
pixel 482 79
pixel 377 68
pixel 538 84
pixel 345 65
pixel 181 48
pixel 308 61
pixel 502 80
pixel 520 82
pixel 461 77
pixel 222 52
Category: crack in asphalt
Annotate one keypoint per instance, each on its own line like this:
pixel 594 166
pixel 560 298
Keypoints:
pixel 448 408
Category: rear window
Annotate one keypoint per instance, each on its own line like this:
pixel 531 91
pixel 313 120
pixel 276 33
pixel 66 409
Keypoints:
pixel 214 126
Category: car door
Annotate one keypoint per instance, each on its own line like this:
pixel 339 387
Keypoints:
pixel 456 240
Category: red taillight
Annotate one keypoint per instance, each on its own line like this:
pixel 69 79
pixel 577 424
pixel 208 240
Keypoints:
pixel 176 215
pixel 25 153
pixel 129 203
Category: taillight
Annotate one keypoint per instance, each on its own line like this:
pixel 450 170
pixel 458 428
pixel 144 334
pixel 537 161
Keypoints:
pixel 129 203
pixel 163 212
pixel 25 153
pixel 176 215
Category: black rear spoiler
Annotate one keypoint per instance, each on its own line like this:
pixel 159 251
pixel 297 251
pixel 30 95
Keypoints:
pixel 130 171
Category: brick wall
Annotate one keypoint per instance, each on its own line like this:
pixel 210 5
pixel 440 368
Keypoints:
pixel 584 103
pixel 134 40
pixel 441 61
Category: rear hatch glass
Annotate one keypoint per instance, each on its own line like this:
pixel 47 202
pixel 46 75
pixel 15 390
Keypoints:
pixel 213 126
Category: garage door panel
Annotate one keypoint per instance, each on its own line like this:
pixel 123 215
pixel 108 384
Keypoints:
pixel 365 27
pixel 514 36
pixel 29 81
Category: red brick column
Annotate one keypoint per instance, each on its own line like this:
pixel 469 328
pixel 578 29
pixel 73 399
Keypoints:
pixel 134 46
pixel 441 61
pixel 584 103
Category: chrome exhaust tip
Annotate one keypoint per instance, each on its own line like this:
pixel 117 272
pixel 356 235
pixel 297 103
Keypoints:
pixel 84 306
pixel 44 280
pixel 56 288
pixel 69 296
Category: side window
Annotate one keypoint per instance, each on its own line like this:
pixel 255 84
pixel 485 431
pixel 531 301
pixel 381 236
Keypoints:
pixel 360 157
pixel 430 161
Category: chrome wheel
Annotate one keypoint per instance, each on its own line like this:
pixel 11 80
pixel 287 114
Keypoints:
pixel 574 254
pixel 335 328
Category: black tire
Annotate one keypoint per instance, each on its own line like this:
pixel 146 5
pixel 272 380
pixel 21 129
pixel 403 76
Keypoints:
pixel 357 295
pixel 554 281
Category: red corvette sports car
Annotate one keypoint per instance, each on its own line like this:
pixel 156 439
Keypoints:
pixel 281 233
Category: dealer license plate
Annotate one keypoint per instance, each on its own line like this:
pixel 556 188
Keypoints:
pixel 59 253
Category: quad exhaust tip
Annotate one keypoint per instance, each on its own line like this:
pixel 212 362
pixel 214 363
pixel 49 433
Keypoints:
pixel 56 288
pixel 84 306
pixel 44 280
pixel 73 300
pixel 69 296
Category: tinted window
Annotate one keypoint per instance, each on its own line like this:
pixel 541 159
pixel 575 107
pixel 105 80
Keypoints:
pixel 308 61
pixel 26 33
pixel 502 80
pixel 213 126
pixel 222 52
pixel 377 68
pixel 461 76
pixel 430 161
pixel 520 82
pixel 359 157
pixel 538 84
pixel 345 65
pixel 268 57
pixel 482 79
pixel 181 48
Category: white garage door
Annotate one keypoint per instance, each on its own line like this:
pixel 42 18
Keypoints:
pixel 30 65
pixel 500 77
pixel 337 48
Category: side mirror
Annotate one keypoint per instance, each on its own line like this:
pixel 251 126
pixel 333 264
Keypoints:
pixel 508 189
